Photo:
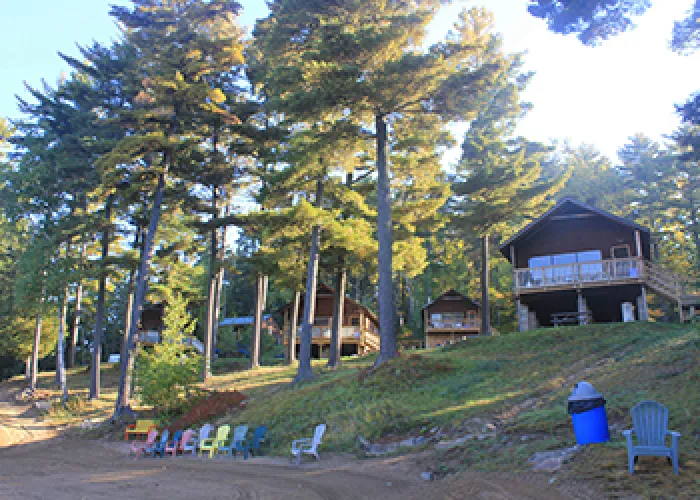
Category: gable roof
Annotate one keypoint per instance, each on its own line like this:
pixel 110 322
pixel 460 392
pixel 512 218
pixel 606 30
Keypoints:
pixel 328 290
pixel 241 320
pixel 451 291
pixel 561 204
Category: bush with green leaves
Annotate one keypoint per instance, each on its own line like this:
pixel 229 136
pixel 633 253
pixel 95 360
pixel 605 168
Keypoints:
pixel 166 372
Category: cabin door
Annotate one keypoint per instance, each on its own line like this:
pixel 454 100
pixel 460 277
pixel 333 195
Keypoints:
pixel 622 267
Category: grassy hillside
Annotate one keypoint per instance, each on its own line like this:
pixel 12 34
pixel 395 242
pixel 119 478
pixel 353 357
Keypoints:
pixel 516 383
pixel 511 391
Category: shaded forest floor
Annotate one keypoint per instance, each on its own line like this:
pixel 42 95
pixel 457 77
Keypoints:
pixel 484 406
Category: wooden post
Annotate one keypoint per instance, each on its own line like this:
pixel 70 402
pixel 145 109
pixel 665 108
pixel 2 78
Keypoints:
pixel 638 242
pixel 642 308
pixel 581 308
pixel 485 306
pixel 425 326
pixel 516 285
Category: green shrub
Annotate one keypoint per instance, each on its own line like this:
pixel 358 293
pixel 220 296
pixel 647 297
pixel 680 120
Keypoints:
pixel 166 373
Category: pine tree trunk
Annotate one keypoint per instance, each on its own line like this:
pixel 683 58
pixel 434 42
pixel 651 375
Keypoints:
pixel 211 292
pixel 338 318
pixel 78 311
pixel 76 325
pixel 293 325
pixel 60 355
pixel 100 309
pixel 61 339
pixel 138 242
pixel 304 371
pixel 257 322
pixel 141 285
pixel 219 288
pixel 485 304
pixel 387 336
pixel 35 349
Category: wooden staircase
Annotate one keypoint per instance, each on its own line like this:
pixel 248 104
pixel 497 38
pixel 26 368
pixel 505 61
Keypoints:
pixel 685 293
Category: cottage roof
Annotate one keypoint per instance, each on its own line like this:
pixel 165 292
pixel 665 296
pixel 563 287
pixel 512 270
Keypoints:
pixel 562 206
pixel 454 293
pixel 241 320
pixel 323 290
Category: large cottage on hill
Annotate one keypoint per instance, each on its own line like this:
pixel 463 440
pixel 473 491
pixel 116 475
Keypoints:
pixel 579 264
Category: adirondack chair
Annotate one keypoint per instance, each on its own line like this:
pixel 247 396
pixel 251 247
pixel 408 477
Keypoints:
pixel 650 421
pixel 258 439
pixel 203 434
pixel 212 444
pixel 237 442
pixel 172 446
pixel 308 445
pixel 140 428
pixel 138 447
pixel 158 447
pixel 188 443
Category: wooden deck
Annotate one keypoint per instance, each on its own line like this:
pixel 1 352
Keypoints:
pixel 452 325
pixel 632 270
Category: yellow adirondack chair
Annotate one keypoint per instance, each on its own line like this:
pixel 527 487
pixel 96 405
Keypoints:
pixel 212 444
pixel 140 428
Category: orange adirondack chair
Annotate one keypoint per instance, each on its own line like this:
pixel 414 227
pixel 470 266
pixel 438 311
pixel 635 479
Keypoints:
pixel 138 447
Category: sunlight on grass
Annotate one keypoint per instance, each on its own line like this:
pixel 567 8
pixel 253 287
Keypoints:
pixel 474 403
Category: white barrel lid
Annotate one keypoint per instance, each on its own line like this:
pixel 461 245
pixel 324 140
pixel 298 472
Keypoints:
pixel 583 390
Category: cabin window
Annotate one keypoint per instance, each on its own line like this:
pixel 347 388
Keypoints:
pixel 435 317
pixel 354 321
pixel 321 321
pixel 620 251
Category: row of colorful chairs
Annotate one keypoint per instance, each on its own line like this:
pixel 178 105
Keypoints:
pixel 199 441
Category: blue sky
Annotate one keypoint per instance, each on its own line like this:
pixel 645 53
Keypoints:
pixel 598 96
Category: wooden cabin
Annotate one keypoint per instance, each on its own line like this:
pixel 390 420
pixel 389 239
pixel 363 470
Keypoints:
pixel 360 329
pixel 151 324
pixel 579 264
pixel 268 325
pixel 450 318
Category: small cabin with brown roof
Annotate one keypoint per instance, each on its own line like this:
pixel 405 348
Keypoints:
pixel 579 264
pixel 450 318
pixel 359 333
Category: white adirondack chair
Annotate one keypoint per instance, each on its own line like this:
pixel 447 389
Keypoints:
pixel 308 445
pixel 650 421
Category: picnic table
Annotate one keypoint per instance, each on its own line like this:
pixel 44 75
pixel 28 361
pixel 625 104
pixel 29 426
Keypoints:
pixel 571 318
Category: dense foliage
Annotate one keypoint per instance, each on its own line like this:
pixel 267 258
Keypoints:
pixel 185 164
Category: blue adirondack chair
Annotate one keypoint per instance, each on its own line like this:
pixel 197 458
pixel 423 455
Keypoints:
pixel 159 447
pixel 650 421
pixel 237 442
pixel 258 438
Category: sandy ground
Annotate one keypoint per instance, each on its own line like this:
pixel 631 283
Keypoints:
pixel 36 462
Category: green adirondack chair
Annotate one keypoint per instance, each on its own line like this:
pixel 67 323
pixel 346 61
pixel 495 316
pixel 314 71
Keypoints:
pixel 212 445
pixel 650 421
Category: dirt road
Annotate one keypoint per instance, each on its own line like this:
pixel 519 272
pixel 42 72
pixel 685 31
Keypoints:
pixel 76 469
pixel 37 462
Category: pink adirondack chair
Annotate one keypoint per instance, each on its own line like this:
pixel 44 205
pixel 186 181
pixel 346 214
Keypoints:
pixel 138 447
pixel 187 443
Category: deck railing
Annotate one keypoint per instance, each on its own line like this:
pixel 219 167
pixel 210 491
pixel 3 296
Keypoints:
pixel 578 273
pixel 454 324
pixel 347 332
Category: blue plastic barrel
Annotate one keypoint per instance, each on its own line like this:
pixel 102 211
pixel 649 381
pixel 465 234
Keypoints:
pixel 587 410
pixel 591 426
